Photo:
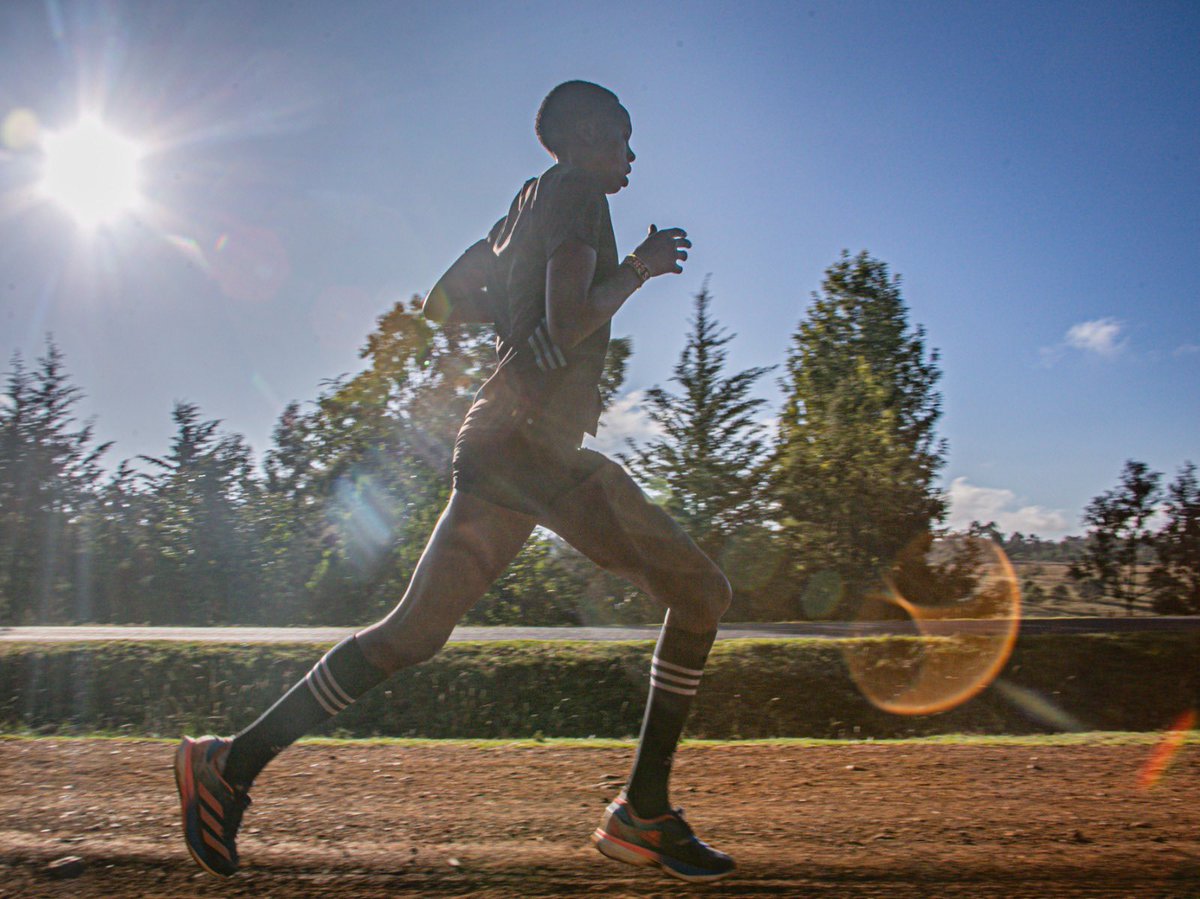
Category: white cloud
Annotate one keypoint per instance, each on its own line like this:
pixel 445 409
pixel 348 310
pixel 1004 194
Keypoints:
pixel 1099 336
pixel 625 419
pixel 969 502
pixel 1187 349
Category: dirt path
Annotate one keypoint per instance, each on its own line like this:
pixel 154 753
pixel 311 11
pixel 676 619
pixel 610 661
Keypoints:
pixel 447 820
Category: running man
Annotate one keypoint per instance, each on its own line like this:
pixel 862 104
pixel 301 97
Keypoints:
pixel 549 277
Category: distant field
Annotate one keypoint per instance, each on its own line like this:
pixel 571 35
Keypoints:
pixel 1047 576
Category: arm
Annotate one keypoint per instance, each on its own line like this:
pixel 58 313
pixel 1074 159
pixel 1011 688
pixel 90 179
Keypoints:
pixel 573 311
pixel 459 295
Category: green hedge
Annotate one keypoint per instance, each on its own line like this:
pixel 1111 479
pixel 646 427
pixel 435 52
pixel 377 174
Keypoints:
pixel 752 689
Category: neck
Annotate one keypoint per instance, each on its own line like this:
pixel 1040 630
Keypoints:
pixel 575 156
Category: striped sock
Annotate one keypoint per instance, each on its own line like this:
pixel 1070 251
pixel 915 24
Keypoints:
pixel 338 679
pixel 675 673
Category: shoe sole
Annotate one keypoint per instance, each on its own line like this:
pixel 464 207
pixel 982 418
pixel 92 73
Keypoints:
pixel 183 766
pixel 621 851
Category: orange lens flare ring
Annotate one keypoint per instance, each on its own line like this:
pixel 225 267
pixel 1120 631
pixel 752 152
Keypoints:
pixel 1170 744
pixel 966 626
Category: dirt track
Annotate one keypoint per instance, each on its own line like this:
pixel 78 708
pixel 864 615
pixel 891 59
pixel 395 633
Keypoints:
pixel 836 821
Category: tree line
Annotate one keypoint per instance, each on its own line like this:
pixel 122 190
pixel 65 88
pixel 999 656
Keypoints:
pixel 804 511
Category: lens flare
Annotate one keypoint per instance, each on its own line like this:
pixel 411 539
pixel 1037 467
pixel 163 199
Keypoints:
pixel 961 596
pixel 1039 708
pixel 250 263
pixel 20 130
pixel 1170 744
pixel 364 515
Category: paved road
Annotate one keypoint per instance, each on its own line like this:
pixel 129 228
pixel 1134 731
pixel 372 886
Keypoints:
pixel 828 629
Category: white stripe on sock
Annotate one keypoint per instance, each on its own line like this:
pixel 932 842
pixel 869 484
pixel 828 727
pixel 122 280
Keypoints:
pixel 671 666
pixel 660 685
pixel 320 678
pixel 332 683
pixel 655 671
pixel 316 692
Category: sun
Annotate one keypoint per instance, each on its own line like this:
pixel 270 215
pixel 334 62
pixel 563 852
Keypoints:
pixel 92 171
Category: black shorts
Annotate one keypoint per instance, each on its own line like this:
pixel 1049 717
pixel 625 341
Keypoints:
pixel 506 456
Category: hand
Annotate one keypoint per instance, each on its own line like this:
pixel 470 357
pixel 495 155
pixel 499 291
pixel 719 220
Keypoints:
pixel 664 251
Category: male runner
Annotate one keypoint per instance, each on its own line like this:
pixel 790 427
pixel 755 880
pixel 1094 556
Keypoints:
pixel 549 278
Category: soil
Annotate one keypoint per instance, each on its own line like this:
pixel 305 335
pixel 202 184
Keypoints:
pixel 857 820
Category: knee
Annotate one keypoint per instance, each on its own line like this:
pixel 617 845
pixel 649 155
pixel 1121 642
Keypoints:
pixel 720 595
pixel 709 600
pixel 390 653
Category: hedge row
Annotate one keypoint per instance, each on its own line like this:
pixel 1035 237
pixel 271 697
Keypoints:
pixel 752 689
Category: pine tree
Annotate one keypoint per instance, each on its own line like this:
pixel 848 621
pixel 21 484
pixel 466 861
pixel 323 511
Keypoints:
pixel 49 472
pixel 856 453
pixel 706 465
pixel 1119 537
pixel 1175 578
pixel 203 519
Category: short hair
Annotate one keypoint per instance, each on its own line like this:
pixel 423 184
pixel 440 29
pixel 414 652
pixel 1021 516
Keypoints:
pixel 567 105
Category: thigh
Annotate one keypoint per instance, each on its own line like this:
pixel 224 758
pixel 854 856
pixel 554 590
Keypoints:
pixel 608 518
pixel 470 547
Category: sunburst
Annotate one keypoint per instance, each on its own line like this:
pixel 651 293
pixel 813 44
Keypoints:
pixel 92 171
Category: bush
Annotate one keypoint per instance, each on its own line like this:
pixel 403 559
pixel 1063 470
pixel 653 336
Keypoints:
pixel 752 689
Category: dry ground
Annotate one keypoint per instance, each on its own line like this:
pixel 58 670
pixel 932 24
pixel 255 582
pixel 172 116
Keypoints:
pixel 880 820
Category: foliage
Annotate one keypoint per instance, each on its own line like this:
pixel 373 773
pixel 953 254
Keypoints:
pixel 327 531
pixel 49 471
pixel 1120 536
pixel 328 525
pixel 856 455
pixel 751 689
pixel 705 468
pixel 1175 578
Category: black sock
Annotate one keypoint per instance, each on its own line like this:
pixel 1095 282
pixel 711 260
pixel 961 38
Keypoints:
pixel 674 677
pixel 341 676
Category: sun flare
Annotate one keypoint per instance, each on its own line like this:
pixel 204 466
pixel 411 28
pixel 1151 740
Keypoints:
pixel 92 171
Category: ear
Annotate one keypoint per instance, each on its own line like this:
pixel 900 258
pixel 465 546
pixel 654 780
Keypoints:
pixel 588 131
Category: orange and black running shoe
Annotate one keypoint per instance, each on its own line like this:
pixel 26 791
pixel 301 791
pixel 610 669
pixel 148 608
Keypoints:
pixel 666 841
pixel 212 809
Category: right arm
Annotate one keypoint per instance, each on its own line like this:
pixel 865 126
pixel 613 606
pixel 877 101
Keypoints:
pixel 575 309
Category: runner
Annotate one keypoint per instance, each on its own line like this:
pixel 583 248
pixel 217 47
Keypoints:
pixel 548 276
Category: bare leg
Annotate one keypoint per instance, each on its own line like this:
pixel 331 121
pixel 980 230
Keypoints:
pixel 471 544
pixel 609 520
pixel 470 547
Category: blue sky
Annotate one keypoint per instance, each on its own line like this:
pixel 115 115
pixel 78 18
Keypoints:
pixel 1031 170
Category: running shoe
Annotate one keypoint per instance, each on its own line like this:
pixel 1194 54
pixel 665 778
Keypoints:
pixel 212 809
pixel 666 841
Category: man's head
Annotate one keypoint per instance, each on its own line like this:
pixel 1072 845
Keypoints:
pixel 586 125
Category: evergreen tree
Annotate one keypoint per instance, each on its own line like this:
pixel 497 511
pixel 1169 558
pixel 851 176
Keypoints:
pixel 123 549
pixel 202 517
pixel 1175 578
pixel 49 471
pixel 706 465
pixel 1119 538
pixel 856 453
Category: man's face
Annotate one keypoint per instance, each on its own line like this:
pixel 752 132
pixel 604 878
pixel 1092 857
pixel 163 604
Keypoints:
pixel 610 156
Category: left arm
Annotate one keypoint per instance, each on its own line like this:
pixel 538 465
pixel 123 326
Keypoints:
pixel 459 296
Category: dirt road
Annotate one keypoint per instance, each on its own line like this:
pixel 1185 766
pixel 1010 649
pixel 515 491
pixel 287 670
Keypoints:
pixel 856 820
